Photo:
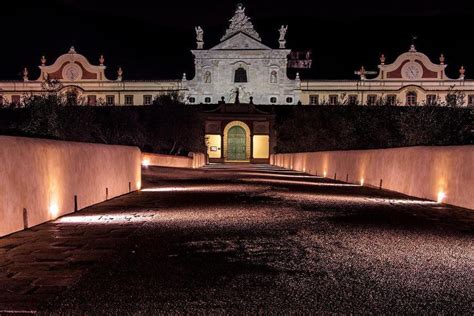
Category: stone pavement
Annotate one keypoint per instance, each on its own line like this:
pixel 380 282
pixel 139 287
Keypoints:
pixel 244 239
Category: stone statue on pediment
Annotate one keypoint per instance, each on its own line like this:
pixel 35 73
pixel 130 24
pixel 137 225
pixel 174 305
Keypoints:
pixel 199 34
pixel 283 29
pixel 199 37
pixel 240 22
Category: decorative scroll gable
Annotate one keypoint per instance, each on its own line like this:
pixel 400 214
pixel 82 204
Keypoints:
pixel 72 67
pixel 412 66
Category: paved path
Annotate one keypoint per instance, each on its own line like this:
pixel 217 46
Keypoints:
pixel 244 239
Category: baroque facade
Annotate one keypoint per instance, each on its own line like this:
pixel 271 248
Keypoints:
pixel 242 68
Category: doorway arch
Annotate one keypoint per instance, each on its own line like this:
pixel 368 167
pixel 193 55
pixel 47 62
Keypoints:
pixel 237 142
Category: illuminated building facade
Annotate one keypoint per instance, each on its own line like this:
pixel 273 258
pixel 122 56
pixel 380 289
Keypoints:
pixel 241 67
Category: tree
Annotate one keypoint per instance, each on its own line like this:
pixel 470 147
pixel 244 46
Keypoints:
pixel 455 98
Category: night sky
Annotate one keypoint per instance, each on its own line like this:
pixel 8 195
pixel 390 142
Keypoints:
pixel 152 40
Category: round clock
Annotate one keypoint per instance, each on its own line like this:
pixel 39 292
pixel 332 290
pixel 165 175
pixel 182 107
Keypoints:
pixel 412 71
pixel 72 72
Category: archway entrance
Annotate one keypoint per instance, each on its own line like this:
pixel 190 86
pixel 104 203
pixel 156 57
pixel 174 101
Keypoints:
pixel 236 146
pixel 237 142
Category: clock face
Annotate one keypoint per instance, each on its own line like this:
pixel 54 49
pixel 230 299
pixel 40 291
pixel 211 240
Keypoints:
pixel 412 71
pixel 72 72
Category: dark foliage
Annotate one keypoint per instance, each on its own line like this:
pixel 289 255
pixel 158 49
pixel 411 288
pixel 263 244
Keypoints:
pixel 171 127
pixel 174 130
pixel 304 129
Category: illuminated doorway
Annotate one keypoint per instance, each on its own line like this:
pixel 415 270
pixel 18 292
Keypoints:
pixel 237 142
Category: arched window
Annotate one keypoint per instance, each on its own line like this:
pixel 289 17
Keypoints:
pixel 411 98
pixel 240 75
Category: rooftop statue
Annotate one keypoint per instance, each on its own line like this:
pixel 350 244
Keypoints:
pixel 282 31
pixel 199 34
pixel 241 23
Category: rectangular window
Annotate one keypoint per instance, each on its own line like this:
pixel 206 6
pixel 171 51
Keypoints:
pixel 391 99
pixel 411 98
pixel 91 100
pixel 16 99
pixel 314 99
pixel 147 99
pixel 470 100
pixel 333 99
pixel 110 100
pixel 352 99
pixel 431 99
pixel 129 100
pixel 371 99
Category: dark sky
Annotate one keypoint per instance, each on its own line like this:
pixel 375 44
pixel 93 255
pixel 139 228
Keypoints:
pixel 151 39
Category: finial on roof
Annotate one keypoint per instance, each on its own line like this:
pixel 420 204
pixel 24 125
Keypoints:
pixel 412 47
pixel 25 74
pixel 72 50
pixel 462 72
pixel 442 59
pixel 382 59
pixel 101 60
pixel 43 60
pixel 362 73
pixel 119 74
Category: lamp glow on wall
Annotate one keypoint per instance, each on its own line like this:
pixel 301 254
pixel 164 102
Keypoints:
pixel 146 162
pixel 325 173
pixel 362 181
pixel 441 197
pixel 54 209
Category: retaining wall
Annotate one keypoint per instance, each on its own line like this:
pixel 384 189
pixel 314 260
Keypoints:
pixel 416 171
pixel 196 161
pixel 40 178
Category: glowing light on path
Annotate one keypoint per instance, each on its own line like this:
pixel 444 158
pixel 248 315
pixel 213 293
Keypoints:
pixel 167 189
pixel 308 183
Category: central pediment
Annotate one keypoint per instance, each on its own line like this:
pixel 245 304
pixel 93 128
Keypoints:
pixel 240 41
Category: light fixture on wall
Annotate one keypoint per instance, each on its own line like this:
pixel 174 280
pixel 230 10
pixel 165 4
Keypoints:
pixel 362 181
pixel 325 174
pixel 441 197
pixel 54 210
pixel 146 162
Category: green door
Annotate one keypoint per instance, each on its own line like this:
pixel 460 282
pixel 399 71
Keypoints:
pixel 236 143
